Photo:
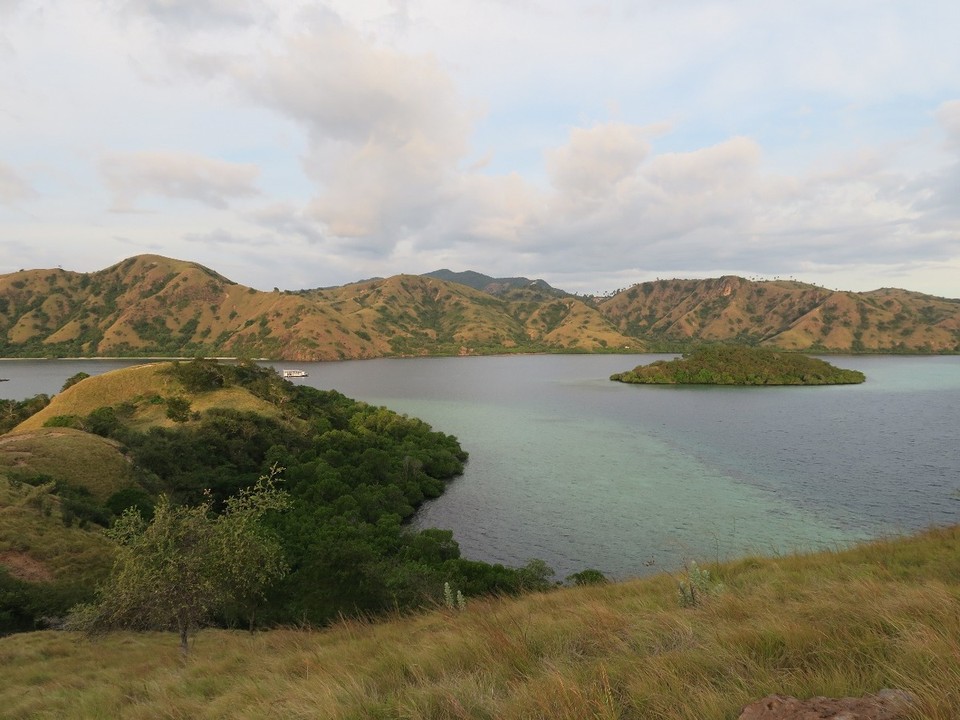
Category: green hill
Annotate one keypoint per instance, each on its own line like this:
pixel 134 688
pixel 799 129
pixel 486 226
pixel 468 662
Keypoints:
pixel 884 615
pixel 740 365
pixel 199 429
pixel 154 306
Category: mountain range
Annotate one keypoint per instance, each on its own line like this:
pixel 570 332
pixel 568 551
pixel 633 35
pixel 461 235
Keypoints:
pixel 152 305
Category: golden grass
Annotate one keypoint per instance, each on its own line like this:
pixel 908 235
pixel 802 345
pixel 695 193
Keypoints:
pixel 111 388
pixel 135 385
pixel 67 454
pixel 884 615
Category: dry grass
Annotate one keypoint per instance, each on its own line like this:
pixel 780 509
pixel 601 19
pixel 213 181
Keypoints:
pixel 66 454
pixel 137 385
pixel 886 615
pixel 110 388
pixel 35 544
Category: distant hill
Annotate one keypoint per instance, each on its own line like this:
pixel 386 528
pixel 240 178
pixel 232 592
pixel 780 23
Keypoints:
pixel 492 285
pixel 785 314
pixel 155 306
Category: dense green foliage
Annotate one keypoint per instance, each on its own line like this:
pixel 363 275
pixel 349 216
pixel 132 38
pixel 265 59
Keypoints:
pixel 187 564
pixel 14 412
pixel 739 365
pixel 355 473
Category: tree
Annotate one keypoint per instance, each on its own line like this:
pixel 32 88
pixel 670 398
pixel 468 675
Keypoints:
pixel 178 409
pixel 178 570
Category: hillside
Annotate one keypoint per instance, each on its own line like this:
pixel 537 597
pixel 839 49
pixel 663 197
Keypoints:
pixel 202 431
pixel 884 615
pixel 150 305
pixel 154 306
pixel 786 314
pixel 492 285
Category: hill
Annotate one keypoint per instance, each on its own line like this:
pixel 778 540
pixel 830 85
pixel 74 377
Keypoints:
pixel 492 285
pixel 201 430
pixel 837 624
pixel 739 365
pixel 154 306
pixel 785 314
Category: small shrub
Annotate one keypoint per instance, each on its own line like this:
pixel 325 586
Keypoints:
pixel 71 421
pixel 451 600
pixel 178 409
pixel 587 577
pixel 697 586
pixel 74 379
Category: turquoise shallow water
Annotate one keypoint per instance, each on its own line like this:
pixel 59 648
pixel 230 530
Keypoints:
pixel 582 472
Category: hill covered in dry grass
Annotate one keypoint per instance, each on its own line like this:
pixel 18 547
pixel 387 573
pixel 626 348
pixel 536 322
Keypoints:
pixel 154 306
pixel 883 615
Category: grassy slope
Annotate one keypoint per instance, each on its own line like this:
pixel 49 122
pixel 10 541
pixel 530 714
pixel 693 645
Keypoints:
pixel 885 614
pixel 36 546
pixel 149 304
pixel 786 314
pixel 66 454
pixel 34 543
pixel 135 385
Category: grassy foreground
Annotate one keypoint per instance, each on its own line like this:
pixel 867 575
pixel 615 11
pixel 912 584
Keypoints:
pixel 886 614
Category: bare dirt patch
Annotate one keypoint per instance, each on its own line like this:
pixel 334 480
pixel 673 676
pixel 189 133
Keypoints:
pixel 23 567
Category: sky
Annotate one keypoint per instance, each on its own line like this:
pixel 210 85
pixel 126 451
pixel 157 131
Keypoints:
pixel 595 143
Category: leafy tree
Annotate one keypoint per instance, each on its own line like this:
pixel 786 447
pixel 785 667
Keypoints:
pixel 590 576
pixel 178 409
pixel 14 412
pixel 74 379
pixel 186 565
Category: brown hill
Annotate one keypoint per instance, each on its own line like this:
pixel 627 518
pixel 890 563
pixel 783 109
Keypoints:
pixel 151 305
pixel 786 314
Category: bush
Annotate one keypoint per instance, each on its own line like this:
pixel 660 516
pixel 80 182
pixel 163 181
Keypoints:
pixel 587 577
pixel 178 409
pixel 697 586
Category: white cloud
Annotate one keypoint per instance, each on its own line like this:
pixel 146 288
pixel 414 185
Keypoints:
pixel 595 161
pixel 196 14
pixel 614 138
pixel 386 130
pixel 183 176
pixel 13 188
pixel 948 114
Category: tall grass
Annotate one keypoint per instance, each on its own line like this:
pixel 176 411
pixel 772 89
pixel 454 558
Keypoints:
pixel 66 454
pixel 836 623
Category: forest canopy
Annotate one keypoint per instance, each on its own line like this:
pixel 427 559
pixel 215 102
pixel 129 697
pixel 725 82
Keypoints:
pixel 740 365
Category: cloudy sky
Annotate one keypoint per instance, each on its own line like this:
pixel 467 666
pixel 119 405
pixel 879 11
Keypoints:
pixel 593 143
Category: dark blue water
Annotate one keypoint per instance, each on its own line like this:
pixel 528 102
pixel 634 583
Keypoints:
pixel 582 472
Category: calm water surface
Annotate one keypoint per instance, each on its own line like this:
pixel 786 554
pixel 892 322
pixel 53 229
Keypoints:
pixel 582 472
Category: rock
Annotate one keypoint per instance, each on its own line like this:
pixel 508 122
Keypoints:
pixel 885 705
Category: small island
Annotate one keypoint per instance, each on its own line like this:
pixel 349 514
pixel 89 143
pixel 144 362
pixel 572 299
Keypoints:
pixel 740 365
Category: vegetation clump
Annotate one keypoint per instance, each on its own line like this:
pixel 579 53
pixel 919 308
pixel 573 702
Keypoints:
pixel 186 564
pixel 740 365
pixel 354 473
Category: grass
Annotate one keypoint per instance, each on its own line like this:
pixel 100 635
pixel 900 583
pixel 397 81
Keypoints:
pixel 137 385
pixel 35 544
pixel 885 614
pixel 66 454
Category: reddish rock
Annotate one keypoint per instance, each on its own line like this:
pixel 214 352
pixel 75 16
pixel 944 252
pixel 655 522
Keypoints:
pixel 885 705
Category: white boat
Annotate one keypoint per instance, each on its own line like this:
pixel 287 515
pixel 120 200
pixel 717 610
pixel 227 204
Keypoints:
pixel 294 373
